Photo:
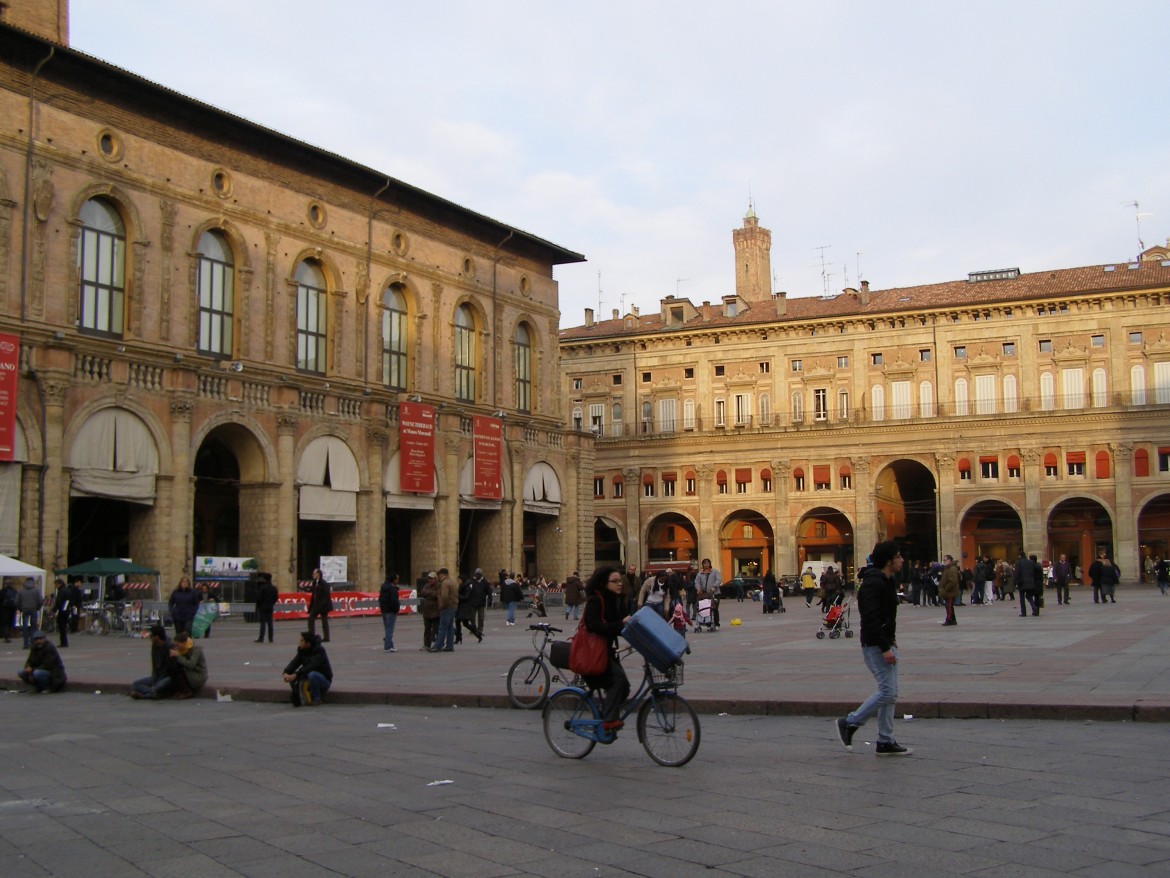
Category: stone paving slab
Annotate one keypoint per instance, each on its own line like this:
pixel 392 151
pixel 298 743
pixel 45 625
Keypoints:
pixel 1080 661
pixel 213 788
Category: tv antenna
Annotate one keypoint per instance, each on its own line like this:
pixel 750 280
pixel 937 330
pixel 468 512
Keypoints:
pixel 1137 216
pixel 677 282
pixel 599 293
pixel 825 273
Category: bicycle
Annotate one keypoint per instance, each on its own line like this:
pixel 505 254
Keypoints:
pixel 529 678
pixel 668 727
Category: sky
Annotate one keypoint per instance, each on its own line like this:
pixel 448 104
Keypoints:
pixel 899 142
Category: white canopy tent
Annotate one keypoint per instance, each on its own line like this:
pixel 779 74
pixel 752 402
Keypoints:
pixel 19 570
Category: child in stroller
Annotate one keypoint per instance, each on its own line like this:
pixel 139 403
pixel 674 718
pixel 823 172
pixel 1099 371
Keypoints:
pixel 704 617
pixel 836 620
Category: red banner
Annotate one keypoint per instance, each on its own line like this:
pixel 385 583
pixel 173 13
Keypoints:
pixel 488 442
pixel 9 369
pixel 294 605
pixel 416 447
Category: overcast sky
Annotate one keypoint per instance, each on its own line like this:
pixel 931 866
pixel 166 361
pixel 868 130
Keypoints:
pixel 919 141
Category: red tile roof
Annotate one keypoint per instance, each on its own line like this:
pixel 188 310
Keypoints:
pixel 1039 286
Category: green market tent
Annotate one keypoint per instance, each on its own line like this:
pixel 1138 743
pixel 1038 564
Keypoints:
pixel 103 568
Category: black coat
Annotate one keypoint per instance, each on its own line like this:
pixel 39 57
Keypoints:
pixel 307 660
pixel 266 597
pixel 877 601
pixel 183 604
pixel 388 603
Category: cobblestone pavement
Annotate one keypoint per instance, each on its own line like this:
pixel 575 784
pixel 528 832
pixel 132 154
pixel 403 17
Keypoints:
pixel 96 786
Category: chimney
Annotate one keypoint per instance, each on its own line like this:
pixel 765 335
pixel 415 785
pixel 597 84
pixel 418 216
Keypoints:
pixel 780 300
pixel 615 314
pixel 863 296
pixel 588 316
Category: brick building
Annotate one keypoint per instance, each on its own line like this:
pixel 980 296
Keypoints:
pixel 985 415
pixel 219 328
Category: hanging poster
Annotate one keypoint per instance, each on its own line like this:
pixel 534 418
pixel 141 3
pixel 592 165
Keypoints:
pixel 9 369
pixel 488 454
pixel 416 444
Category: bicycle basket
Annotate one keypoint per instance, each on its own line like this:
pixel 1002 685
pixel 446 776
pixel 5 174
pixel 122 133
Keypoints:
pixel 672 676
pixel 558 654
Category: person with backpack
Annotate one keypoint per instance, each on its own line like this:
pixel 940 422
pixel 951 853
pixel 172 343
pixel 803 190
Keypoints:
pixel 654 593
pixel 29 601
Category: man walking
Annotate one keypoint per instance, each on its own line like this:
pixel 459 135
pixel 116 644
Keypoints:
pixel 448 606
pixel 878 601
pixel 1061 574
pixel 574 595
pixel 481 596
pixel 29 602
pixel 266 599
pixel 1026 583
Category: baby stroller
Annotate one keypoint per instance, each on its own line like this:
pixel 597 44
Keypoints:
pixel 836 620
pixel 703 616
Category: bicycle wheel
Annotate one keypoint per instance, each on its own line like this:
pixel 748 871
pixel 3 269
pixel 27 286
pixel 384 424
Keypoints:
pixel 528 681
pixel 669 729
pixel 562 708
pixel 49 623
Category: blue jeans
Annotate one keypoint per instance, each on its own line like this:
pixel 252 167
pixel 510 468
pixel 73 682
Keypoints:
pixel 318 685
pixel 38 677
pixel 28 624
pixel 574 611
pixel 389 620
pixel 445 639
pixel 882 701
pixel 511 612
pixel 147 688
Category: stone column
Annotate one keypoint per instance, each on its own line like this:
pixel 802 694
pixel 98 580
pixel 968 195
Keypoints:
pixel 708 535
pixel 865 533
pixel 55 499
pixel 178 542
pixel 783 543
pixel 1034 530
pixel 635 552
pixel 373 514
pixel 1126 542
pixel 284 553
pixel 944 513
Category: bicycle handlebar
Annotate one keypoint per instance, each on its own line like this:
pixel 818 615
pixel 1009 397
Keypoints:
pixel 545 627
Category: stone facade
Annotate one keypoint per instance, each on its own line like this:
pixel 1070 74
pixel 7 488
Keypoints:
pixel 1001 412
pixel 347 294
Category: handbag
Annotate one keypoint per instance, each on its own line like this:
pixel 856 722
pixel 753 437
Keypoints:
pixel 588 652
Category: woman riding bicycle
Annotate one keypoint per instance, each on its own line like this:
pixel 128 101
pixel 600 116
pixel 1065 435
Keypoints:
pixel 604 617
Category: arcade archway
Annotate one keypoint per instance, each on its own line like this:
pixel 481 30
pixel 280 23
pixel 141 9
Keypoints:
pixel 1153 533
pixel 746 545
pixel 906 508
pixel 1079 527
pixel 825 535
pixel 992 528
pixel 671 540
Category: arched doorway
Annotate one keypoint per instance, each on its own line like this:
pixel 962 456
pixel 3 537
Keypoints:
pixel 906 509
pixel 746 545
pixel 671 541
pixel 227 457
pixel 608 544
pixel 824 536
pixel 113 463
pixel 992 528
pixel 1153 533
pixel 327 474
pixel 542 511
pixel 1079 527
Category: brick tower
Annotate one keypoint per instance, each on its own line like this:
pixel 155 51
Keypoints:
pixel 753 261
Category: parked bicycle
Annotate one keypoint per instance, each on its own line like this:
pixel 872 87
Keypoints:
pixel 106 617
pixel 667 725
pixel 530 677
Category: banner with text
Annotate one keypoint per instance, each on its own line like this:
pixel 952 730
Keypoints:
pixel 9 369
pixel 488 454
pixel 416 447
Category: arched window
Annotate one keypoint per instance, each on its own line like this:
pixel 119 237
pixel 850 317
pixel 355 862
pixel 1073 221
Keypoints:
pixel 765 410
pixel 577 414
pixel 647 415
pixel 215 283
pixel 312 298
pixel 395 328
pixel 1047 392
pixel 465 354
pixel 688 414
pixel 797 407
pixel 1099 389
pixel 101 265
pixel 1141 463
pixel 843 405
pixel 960 396
pixel 1102 465
pixel 878 398
pixel 523 365
pixel 617 419
pixel 1010 394
pixel 926 400
pixel 1137 384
